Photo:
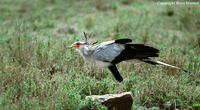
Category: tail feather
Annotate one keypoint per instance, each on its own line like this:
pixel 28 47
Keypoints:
pixel 162 63
pixel 154 62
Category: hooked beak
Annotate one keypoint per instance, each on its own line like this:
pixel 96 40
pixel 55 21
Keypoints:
pixel 71 46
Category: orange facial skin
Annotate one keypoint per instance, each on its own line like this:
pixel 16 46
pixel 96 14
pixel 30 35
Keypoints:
pixel 77 45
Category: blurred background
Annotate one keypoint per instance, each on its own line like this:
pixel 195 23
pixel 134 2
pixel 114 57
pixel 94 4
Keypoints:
pixel 38 71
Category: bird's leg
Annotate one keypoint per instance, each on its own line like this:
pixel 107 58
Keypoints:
pixel 116 73
pixel 91 70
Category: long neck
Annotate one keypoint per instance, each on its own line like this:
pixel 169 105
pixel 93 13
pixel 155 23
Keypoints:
pixel 86 53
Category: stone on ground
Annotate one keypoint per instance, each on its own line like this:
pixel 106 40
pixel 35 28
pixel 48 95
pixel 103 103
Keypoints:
pixel 121 101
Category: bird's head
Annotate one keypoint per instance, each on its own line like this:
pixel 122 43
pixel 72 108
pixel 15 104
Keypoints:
pixel 77 45
pixel 81 44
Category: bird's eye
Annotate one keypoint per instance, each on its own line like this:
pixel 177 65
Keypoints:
pixel 76 45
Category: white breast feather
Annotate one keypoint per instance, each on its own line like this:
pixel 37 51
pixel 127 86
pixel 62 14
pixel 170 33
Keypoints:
pixel 102 64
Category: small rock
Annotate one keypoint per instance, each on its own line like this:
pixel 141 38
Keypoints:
pixel 121 101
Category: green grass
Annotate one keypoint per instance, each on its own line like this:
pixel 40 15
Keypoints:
pixel 37 71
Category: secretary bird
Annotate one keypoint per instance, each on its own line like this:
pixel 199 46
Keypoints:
pixel 108 54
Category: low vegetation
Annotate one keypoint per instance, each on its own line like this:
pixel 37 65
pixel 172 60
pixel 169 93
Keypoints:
pixel 38 71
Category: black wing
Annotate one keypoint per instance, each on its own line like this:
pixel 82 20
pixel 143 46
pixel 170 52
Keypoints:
pixel 123 41
pixel 136 51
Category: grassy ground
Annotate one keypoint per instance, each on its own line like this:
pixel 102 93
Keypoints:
pixel 37 71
